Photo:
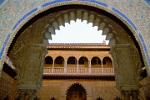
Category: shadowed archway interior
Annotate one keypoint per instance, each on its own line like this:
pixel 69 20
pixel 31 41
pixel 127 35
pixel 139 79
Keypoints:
pixel 76 92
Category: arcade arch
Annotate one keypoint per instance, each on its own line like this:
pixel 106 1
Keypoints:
pixel 120 36
pixel 48 60
pixel 59 61
pixel 96 62
pixel 107 62
pixel 72 62
pixel 83 62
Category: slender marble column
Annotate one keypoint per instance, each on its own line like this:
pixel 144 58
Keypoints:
pixel 53 65
pixel 31 95
pixel 65 66
pixel 77 67
pixel 89 66
pixel 135 95
pixel 126 95
pixel 21 95
pixel 102 66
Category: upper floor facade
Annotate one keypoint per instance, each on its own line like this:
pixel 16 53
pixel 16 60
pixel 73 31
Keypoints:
pixel 78 59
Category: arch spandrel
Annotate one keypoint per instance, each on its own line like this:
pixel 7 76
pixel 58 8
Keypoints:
pixel 96 4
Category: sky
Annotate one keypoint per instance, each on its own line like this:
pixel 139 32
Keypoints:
pixel 78 32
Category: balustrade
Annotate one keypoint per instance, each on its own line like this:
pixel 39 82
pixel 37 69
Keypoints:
pixel 72 70
pixel 58 70
pixel 81 70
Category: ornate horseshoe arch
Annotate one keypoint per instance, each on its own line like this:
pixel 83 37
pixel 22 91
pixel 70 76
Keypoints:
pixel 35 27
pixel 95 4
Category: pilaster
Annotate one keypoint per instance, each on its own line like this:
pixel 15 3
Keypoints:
pixel 126 70
pixel 29 64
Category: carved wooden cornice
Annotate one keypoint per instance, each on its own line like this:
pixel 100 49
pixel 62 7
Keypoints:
pixel 78 46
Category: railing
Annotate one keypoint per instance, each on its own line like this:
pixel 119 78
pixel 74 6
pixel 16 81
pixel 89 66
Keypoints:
pixel 72 70
pixel 79 71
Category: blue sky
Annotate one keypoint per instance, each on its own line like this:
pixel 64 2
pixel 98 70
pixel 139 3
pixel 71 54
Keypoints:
pixel 78 32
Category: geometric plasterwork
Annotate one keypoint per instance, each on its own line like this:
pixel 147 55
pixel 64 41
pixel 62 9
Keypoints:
pixel 127 66
pixel 29 63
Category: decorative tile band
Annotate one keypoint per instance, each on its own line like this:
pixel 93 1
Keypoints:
pixel 124 16
pixel 101 4
pixel 88 1
pixel 144 46
pixel 24 17
pixel 4 46
pixel 96 2
pixel 53 2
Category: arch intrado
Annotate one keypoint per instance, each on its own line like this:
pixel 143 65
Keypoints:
pixel 95 4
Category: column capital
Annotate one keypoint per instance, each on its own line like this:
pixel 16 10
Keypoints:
pixel 89 59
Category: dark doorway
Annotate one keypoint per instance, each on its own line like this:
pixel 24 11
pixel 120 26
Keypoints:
pixel 76 92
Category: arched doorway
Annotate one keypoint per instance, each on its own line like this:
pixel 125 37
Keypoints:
pixel 118 33
pixel 76 92
pixel 99 98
